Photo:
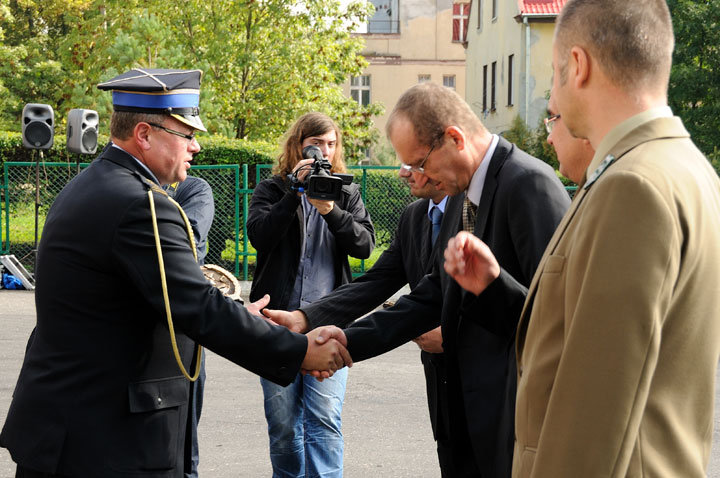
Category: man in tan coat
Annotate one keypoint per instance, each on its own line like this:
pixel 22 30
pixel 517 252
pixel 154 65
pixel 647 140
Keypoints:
pixel 619 339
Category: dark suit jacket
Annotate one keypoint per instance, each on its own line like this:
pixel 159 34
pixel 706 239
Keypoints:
pixel 100 393
pixel 521 204
pixel 406 261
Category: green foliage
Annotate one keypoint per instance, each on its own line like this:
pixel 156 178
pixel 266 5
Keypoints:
pixel 534 142
pixel 387 196
pixel 215 150
pixel 714 158
pixel 11 149
pixel 265 63
pixel 694 92
pixel 221 150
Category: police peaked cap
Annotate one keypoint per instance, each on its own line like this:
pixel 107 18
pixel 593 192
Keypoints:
pixel 172 92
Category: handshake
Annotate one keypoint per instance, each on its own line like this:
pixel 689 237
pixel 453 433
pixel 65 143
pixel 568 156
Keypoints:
pixel 327 346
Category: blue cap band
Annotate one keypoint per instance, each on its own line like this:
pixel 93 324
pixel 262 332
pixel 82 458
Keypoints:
pixel 163 101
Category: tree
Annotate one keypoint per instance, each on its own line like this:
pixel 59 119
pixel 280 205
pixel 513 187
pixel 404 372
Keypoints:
pixel 694 92
pixel 268 62
pixel 29 69
pixel 265 61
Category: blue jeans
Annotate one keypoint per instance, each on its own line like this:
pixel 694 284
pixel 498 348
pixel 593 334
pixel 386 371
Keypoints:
pixel 304 426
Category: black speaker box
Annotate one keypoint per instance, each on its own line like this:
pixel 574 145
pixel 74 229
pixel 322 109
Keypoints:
pixel 82 131
pixel 38 121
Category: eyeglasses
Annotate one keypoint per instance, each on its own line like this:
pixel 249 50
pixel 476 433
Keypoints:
pixel 550 122
pixel 419 168
pixel 188 137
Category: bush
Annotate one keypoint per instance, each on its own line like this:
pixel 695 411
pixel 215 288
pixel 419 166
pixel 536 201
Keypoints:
pixel 215 150
pixel 222 150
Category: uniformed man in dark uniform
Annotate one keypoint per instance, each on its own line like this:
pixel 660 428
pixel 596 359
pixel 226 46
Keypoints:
pixel 121 301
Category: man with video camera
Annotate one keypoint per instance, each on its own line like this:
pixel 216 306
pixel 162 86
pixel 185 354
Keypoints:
pixel 304 224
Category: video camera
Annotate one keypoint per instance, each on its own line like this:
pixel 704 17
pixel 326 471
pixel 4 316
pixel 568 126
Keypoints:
pixel 320 183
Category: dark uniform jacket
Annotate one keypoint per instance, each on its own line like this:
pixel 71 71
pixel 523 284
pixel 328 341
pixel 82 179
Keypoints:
pixel 521 204
pixel 100 393
pixel 276 227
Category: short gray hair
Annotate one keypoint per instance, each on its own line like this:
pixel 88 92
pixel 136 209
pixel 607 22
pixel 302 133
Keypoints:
pixel 431 108
pixel 122 123
pixel 631 40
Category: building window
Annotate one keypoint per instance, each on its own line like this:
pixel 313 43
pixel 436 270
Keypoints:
pixel 423 78
pixel 449 81
pixel 479 10
pixel 386 17
pixel 493 76
pixel 360 89
pixel 494 10
pixel 510 79
pixel 460 19
pixel 484 95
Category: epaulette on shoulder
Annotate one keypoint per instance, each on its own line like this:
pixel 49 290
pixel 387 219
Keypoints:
pixel 150 185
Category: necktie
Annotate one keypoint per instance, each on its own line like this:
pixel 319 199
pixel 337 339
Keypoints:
pixel 469 210
pixel 436 218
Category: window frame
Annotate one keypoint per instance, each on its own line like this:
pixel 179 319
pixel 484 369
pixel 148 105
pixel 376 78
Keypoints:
pixel 360 84
pixel 493 84
pixel 511 61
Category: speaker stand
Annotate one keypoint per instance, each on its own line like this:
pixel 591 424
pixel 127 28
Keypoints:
pixel 37 200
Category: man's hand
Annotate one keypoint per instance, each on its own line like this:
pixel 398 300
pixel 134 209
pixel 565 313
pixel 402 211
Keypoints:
pixel 326 352
pixel 470 262
pixel 323 207
pixel 258 305
pixel 295 320
pixel 430 342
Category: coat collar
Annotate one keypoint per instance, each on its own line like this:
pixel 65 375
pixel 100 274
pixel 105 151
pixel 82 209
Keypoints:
pixel 124 159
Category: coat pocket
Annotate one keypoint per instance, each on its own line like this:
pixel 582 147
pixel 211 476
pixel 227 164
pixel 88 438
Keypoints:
pixel 158 409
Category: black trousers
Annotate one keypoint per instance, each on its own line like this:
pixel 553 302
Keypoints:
pixel 455 454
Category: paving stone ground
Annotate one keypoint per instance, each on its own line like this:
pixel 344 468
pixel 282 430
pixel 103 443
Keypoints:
pixel 385 418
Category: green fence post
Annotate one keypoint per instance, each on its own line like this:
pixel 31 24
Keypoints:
pixel 245 215
pixel 363 192
pixel 5 246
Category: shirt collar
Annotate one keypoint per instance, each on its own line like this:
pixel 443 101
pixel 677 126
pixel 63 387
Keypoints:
pixel 152 176
pixel 475 189
pixel 440 205
pixel 622 129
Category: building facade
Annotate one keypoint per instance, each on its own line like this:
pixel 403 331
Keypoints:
pixel 509 60
pixel 407 42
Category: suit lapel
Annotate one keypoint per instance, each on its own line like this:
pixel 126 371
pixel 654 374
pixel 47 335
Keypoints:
pixel 500 155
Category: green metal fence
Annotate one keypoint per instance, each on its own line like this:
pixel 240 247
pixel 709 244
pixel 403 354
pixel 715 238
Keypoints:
pixel 384 195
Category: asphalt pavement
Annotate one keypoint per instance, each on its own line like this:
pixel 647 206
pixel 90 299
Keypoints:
pixel 385 419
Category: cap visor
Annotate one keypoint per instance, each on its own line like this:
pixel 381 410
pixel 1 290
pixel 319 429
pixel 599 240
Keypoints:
pixel 191 120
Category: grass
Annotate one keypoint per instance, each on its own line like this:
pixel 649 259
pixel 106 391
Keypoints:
pixel 22 222
pixel 22 229
pixel 229 255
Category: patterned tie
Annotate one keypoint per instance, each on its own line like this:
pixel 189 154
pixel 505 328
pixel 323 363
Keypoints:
pixel 469 210
pixel 436 218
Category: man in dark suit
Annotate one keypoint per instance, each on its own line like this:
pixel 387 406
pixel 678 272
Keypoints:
pixel 121 302
pixel 406 261
pixel 513 202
